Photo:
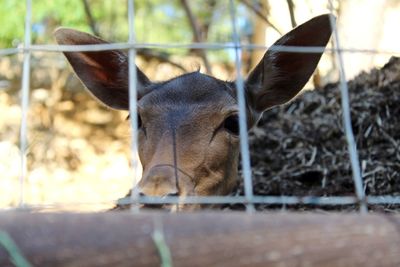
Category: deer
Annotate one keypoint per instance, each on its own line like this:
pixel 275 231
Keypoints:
pixel 188 129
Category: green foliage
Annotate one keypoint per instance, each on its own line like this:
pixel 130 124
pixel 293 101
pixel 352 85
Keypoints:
pixel 156 21
pixel 11 21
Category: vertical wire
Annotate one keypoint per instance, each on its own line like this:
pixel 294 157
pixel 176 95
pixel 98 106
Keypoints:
pixel 351 144
pixel 244 144
pixel 175 155
pixel 133 106
pixel 25 101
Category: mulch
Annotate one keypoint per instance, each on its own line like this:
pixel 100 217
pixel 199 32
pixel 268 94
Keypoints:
pixel 300 149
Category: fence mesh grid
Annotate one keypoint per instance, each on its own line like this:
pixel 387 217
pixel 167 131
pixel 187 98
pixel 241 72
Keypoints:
pixel 248 199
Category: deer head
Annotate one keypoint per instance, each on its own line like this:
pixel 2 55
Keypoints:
pixel 188 126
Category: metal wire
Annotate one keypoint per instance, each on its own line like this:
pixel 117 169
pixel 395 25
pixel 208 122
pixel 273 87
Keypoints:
pixel 133 106
pixel 25 102
pixel 244 139
pixel 208 46
pixel 344 91
pixel 267 200
pixel 280 200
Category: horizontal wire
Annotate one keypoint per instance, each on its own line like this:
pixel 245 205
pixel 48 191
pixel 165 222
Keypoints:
pixel 10 51
pixel 244 200
pixel 209 46
pixel 271 200
pixel 308 200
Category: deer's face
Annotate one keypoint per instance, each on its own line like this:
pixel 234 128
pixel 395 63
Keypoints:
pixel 188 126
pixel 188 137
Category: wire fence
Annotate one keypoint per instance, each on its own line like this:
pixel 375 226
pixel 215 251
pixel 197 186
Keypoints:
pixel 249 199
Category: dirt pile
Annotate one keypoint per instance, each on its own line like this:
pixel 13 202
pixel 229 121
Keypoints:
pixel 300 148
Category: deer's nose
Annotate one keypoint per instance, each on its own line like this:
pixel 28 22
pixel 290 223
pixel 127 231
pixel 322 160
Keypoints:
pixel 159 181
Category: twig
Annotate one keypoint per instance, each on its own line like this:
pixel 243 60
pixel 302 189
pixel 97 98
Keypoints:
pixel 90 18
pixel 291 12
pixel 312 159
pixel 261 15
pixel 162 57
pixel 389 138
pixel 196 33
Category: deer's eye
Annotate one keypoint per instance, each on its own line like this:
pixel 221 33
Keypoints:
pixel 139 121
pixel 231 124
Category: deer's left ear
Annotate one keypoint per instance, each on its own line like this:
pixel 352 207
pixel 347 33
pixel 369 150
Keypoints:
pixel 104 73
pixel 281 75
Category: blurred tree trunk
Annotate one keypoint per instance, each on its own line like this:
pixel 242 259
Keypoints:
pixel 258 37
pixel 291 12
pixel 205 21
pixel 89 16
pixel 198 31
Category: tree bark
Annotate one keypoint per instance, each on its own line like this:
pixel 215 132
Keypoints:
pixel 259 34
pixel 197 36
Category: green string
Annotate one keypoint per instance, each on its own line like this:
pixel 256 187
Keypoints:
pixel 15 253
pixel 162 248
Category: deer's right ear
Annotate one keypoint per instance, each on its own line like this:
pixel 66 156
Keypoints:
pixel 104 73
pixel 281 75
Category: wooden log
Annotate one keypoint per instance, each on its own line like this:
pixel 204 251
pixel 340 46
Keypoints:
pixel 204 239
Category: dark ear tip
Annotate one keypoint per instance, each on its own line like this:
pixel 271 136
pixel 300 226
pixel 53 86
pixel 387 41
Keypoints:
pixel 326 16
pixel 326 19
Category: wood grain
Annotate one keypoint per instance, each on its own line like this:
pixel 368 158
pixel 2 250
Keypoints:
pixel 204 239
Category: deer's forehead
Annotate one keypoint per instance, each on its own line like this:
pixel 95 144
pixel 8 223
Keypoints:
pixel 189 109
pixel 191 91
